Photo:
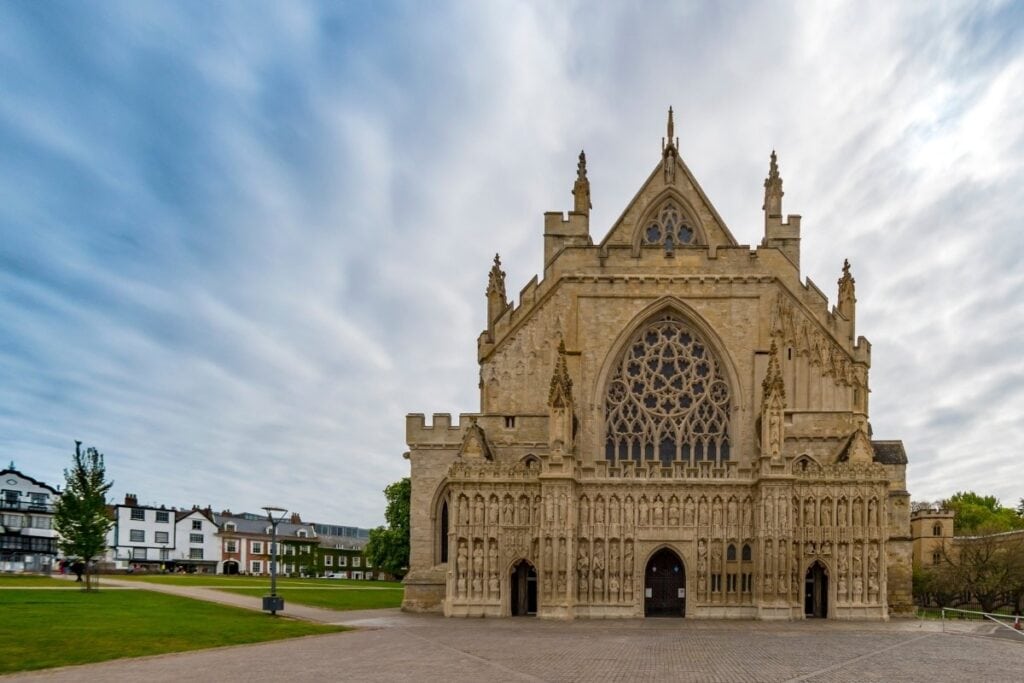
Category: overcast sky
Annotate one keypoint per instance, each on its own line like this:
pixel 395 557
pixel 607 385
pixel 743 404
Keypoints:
pixel 240 241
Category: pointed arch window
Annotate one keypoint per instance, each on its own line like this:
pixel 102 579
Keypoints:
pixel 667 399
pixel 669 227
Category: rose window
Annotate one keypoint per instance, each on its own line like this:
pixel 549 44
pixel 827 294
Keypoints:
pixel 667 399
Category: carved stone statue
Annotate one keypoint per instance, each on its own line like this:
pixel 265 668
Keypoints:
pixel 688 512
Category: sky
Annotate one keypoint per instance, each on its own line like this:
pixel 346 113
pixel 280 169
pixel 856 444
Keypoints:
pixel 239 241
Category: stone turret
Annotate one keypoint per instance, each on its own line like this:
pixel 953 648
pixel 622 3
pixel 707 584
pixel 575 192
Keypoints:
pixel 782 236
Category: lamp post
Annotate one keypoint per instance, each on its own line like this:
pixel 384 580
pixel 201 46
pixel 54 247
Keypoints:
pixel 272 603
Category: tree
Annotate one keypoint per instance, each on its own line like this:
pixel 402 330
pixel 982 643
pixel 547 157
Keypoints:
pixel 81 513
pixel 975 513
pixel 388 548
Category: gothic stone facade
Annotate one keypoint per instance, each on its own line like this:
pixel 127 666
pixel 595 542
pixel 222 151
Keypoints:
pixel 671 422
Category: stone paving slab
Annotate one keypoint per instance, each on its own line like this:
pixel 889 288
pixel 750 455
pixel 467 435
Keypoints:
pixel 431 648
pixel 394 646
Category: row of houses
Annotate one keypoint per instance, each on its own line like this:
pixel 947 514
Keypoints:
pixel 149 538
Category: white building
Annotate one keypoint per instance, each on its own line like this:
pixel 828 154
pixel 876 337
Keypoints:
pixel 28 541
pixel 148 538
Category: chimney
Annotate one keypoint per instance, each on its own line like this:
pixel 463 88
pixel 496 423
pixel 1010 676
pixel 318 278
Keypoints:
pixel 131 500
pixel 296 519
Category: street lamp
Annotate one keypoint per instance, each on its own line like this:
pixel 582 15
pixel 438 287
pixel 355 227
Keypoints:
pixel 272 603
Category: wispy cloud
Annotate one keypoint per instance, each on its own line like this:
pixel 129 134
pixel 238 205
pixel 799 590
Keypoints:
pixel 239 242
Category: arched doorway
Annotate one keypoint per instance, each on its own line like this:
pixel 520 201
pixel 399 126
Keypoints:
pixel 231 567
pixel 523 596
pixel 816 591
pixel 665 585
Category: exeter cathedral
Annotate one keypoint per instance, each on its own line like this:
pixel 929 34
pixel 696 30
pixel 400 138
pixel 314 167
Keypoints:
pixel 671 423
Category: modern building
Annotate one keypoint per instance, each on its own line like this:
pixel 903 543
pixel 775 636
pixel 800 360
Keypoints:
pixel 28 541
pixel 671 423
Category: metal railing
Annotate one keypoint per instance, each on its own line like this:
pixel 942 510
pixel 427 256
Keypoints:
pixel 1013 623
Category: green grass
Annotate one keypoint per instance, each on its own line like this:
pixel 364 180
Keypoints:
pixel 332 598
pixel 47 628
pixel 32 581
pixel 337 594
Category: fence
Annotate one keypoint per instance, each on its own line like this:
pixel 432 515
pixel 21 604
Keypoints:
pixel 970 622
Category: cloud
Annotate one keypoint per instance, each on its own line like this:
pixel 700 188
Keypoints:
pixel 240 242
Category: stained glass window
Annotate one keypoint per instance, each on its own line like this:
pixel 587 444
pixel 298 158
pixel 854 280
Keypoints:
pixel 667 399
pixel 669 227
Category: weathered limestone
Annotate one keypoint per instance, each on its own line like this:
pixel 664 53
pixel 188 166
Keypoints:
pixel 664 388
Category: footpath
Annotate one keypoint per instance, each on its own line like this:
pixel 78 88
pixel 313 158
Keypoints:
pixel 375 618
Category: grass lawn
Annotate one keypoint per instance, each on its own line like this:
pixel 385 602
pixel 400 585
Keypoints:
pixel 47 628
pixel 32 581
pixel 338 594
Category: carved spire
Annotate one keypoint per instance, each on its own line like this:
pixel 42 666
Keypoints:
pixel 772 407
pixel 773 190
pixel 847 297
pixel 581 189
pixel 496 301
pixel 773 384
pixel 670 149
pixel 560 394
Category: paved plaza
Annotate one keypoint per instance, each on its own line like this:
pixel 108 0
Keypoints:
pixel 391 646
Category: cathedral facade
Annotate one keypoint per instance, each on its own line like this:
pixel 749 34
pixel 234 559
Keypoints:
pixel 671 423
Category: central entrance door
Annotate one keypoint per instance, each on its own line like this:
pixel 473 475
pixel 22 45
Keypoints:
pixel 523 596
pixel 816 592
pixel 665 586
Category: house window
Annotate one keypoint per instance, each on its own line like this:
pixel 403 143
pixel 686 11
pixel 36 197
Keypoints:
pixel 165 554
pixel 229 526
pixel 669 227
pixel 11 498
pixel 510 422
pixel 730 583
pixel 256 567
pixel 137 553
pixel 342 560
pixel 937 530
pixel 716 583
pixel 746 582
pixel 746 553
pixel 357 575
pixel 163 516
pixel 197 525
pixel 231 546
pixel 137 536
pixel 195 538
pixel 257 547
pixel 368 564
pixel 356 560
pixel 328 560
pixel 161 537
pixel 195 553
pixel 38 501
pixel 301 533
pixel 936 557
pixel 730 553
pixel 138 515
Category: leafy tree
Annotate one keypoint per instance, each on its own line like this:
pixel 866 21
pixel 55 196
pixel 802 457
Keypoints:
pixel 977 514
pixel 81 513
pixel 388 548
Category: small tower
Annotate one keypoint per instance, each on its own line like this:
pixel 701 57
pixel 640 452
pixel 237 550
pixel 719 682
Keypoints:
pixel 496 301
pixel 560 407
pixel 773 405
pixel 670 149
pixel 581 189
pixel 783 236
pixel 847 298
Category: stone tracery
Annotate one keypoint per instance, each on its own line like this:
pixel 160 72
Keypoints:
pixel 667 399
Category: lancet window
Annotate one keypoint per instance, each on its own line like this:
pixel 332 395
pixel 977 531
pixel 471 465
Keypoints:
pixel 667 399
pixel 669 227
